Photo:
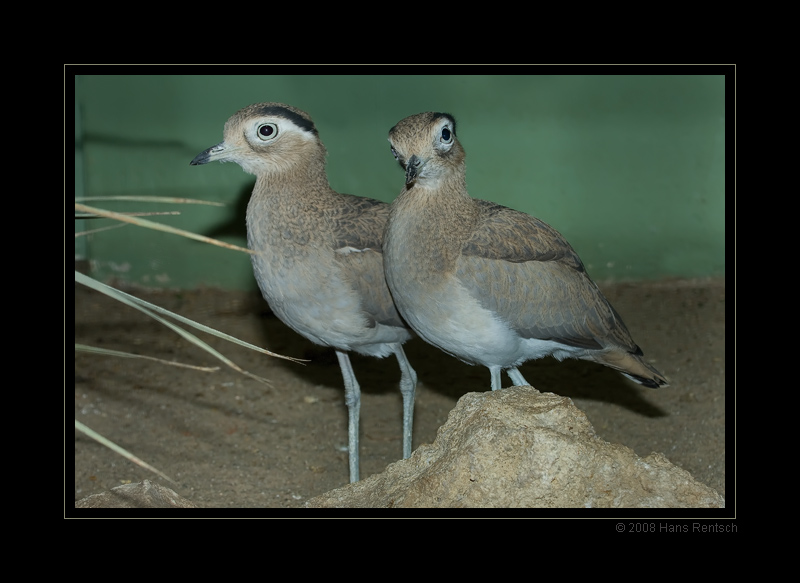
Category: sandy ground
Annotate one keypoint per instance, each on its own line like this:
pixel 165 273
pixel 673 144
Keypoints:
pixel 230 441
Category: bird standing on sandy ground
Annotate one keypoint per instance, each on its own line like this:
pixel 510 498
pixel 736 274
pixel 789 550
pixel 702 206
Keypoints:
pixel 319 261
pixel 485 283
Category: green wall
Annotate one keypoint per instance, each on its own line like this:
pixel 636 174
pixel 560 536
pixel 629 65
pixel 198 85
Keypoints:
pixel 629 168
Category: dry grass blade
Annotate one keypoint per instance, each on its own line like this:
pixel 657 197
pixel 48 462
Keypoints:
pixel 120 450
pixel 157 226
pixel 107 352
pixel 136 302
pixel 141 214
pixel 144 198
pixel 99 230
pixel 151 309
pixel 141 306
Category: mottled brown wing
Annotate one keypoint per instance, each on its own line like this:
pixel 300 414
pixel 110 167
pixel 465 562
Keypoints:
pixel 528 274
pixel 358 234
pixel 510 235
pixel 359 222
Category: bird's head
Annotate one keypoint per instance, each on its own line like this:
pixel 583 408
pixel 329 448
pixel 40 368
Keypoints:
pixel 426 147
pixel 266 138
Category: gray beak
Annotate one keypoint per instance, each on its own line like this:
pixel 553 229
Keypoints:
pixel 413 167
pixel 209 155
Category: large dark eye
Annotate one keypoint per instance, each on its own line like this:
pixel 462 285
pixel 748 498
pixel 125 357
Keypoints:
pixel 267 131
pixel 447 135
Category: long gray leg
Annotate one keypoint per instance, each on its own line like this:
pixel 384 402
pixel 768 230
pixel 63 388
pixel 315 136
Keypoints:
pixel 496 381
pixel 516 377
pixel 408 386
pixel 352 398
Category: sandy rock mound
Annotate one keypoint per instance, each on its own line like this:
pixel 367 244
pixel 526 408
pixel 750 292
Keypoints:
pixel 519 448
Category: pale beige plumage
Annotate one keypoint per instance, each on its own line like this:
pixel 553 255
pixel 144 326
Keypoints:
pixel 319 263
pixel 485 283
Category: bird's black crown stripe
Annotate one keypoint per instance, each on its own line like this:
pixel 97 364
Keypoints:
pixel 295 118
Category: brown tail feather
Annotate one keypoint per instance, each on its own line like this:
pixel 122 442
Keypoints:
pixel 632 366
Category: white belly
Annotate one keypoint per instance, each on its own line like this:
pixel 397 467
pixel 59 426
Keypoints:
pixel 310 297
pixel 455 322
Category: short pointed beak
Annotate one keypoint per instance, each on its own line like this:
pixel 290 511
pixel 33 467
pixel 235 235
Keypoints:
pixel 209 155
pixel 413 167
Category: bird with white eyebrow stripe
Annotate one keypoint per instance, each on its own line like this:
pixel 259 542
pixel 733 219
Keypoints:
pixel 319 261
pixel 485 283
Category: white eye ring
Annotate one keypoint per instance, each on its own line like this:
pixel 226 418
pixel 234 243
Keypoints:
pixel 267 131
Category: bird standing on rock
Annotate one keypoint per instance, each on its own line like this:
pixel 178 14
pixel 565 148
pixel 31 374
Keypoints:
pixel 485 283
pixel 318 260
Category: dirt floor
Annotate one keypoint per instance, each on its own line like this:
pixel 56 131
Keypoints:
pixel 230 441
